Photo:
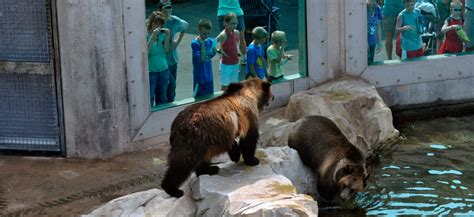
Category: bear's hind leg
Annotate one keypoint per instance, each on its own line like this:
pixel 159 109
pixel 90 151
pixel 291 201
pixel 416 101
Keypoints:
pixel 234 153
pixel 248 146
pixel 178 171
pixel 206 168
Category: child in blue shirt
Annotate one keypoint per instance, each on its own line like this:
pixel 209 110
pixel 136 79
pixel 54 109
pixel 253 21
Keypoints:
pixel 256 66
pixel 203 51
pixel 374 29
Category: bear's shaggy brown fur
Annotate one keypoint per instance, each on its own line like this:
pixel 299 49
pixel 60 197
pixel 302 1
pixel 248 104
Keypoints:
pixel 204 130
pixel 338 164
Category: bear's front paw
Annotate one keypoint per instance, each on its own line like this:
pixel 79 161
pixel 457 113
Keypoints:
pixel 176 194
pixel 207 170
pixel 235 156
pixel 173 192
pixel 213 170
pixel 252 161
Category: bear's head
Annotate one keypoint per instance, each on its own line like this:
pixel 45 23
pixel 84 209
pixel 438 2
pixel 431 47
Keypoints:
pixel 254 88
pixel 352 178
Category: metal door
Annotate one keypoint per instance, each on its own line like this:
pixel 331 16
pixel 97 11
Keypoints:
pixel 29 103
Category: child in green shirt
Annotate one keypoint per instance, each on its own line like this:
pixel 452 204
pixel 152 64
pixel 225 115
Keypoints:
pixel 276 54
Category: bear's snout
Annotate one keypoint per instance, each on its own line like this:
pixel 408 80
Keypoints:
pixel 350 186
pixel 346 194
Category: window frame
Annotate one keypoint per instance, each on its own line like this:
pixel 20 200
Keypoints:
pixel 147 123
pixel 435 68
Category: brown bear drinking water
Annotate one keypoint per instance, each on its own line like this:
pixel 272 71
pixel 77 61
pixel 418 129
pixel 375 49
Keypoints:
pixel 339 165
pixel 207 129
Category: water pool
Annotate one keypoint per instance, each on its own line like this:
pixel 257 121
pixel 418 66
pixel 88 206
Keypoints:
pixel 431 172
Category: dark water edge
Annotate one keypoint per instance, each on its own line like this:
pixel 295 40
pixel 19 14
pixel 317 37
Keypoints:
pixel 431 172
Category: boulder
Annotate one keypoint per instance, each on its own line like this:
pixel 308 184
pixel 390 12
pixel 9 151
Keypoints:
pixel 267 195
pixel 153 202
pixel 354 105
pixel 275 187
pixel 263 190
pixel 286 161
pixel 275 132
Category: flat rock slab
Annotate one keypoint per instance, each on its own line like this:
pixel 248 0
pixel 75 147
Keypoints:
pixel 275 187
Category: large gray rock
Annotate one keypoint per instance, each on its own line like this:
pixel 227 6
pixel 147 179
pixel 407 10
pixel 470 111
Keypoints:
pixel 266 195
pixel 154 202
pixel 263 190
pixel 275 187
pixel 354 105
pixel 276 132
pixel 286 161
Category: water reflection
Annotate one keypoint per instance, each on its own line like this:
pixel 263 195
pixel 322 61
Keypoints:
pixel 441 172
pixel 438 146
pixel 410 182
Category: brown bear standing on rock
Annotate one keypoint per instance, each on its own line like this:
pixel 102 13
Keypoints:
pixel 339 165
pixel 228 123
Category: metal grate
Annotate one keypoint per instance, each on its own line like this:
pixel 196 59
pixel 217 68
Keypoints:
pixel 256 7
pixel 24 31
pixel 29 118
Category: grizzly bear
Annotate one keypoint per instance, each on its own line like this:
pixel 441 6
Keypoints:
pixel 228 123
pixel 338 164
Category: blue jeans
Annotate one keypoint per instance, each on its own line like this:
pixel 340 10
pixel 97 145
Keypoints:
pixel 371 53
pixel 159 82
pixel 201 89
pixel 171 92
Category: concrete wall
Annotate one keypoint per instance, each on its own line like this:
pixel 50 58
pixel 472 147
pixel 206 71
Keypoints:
pixel 104 72
pixel 94 77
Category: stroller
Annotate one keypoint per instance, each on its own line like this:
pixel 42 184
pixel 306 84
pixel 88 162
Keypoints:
pixel 260 13
pixel 429 12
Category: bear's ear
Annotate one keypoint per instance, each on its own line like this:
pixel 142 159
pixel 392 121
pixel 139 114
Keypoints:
pixel 266 86
pixel 233 88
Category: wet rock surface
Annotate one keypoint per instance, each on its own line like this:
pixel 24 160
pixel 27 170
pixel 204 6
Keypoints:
pixel 237 190
pixel 355 107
